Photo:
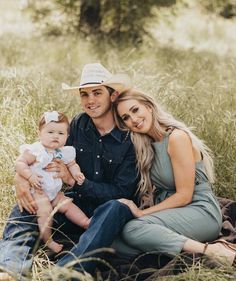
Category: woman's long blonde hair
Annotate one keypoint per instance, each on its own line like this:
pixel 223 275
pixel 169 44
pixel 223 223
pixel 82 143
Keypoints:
pixel 142 142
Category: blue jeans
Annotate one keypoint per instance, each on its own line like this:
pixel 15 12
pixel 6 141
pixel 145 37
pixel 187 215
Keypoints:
pixel 21 236
pixel 19 243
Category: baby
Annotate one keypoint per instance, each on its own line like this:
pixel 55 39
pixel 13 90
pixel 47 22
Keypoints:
pixel 53 133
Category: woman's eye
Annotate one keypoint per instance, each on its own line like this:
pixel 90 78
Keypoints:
pixel 125 118
pixel 135 109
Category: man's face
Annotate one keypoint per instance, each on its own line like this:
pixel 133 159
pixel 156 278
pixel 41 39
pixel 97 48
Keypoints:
pixel 96 101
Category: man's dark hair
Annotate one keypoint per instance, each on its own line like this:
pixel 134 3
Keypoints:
pixel 110 90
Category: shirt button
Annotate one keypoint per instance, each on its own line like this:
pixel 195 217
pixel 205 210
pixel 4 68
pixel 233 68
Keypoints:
pixel 80 195
pixel 96 173
pixel 110 160
pixel 100 140
pixel 81 149
pixel 98 156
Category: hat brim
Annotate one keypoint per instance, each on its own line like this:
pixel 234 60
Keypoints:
pixel 118 82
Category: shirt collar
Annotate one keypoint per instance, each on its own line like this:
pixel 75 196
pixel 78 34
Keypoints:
pixel 119 135
pixel 116 133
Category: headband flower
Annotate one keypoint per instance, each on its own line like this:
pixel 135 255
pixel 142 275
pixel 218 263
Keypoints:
pixel 51 116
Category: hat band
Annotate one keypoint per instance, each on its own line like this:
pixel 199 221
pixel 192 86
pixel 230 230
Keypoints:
pixel 90 83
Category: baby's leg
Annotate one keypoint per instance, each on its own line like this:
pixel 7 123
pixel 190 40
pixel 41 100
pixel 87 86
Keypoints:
pixel 71 211
pixel 45 220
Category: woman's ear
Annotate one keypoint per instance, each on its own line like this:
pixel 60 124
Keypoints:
pixel 114 95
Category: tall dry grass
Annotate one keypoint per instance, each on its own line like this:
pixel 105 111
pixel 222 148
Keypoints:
pixel 198 88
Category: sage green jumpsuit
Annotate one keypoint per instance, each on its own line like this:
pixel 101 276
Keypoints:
pixel 166 231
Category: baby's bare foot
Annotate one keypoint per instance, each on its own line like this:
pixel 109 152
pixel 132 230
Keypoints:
pixel 86 224
pixel 54 246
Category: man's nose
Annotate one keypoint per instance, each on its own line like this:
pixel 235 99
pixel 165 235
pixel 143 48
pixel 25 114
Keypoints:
pixel 90 98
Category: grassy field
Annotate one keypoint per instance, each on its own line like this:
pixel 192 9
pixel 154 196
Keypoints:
pixel 198 87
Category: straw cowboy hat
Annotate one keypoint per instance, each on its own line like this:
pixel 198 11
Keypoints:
pixel 94 74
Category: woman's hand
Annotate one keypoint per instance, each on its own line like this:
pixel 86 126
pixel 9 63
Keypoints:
pixel 133 207
pixel 24 197
pixel 58 166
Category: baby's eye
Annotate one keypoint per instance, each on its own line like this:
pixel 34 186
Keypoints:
pixel 61 133
pixel 50 132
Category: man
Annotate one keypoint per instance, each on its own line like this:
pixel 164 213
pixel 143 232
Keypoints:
pixel 107 159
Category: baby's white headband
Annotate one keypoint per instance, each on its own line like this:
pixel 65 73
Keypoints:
pixel 51 116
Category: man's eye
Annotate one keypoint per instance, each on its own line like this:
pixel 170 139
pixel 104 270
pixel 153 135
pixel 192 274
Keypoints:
pixel 97 93
pixel 83 95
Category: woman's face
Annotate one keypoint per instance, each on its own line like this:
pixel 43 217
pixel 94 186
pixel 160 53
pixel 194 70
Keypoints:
pixel 136 116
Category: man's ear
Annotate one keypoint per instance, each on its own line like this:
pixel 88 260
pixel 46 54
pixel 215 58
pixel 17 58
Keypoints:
pixel 114 95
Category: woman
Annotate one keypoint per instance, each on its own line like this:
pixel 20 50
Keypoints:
pixel 176 172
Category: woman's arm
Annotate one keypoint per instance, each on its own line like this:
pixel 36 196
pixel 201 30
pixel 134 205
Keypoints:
pixel 182 158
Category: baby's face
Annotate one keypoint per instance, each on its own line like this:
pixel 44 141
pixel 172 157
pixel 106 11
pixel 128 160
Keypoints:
pixel 53 135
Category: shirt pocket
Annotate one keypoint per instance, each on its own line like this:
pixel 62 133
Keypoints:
pixel 83 154
pixel 111 162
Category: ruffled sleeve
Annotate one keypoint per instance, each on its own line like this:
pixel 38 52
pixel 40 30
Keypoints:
pixel 68 154
pixel 38 151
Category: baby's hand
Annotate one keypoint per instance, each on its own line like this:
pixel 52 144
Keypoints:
pixel 79 178
pixel 35 181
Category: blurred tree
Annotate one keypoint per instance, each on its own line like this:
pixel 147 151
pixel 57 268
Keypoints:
pixel 115 19
pixel 224 8
pixel 90 16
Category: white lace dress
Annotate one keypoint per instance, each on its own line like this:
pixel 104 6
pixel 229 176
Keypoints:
pixel 51 186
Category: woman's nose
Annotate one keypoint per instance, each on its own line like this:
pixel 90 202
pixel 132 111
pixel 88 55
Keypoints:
pixel 133 119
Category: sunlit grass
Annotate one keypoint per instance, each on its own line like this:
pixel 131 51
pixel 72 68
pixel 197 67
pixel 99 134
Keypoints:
pixel 188 26
pixel 198 88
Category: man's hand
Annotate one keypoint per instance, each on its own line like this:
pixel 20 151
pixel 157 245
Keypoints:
pixel 61 170
pixel 23 196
